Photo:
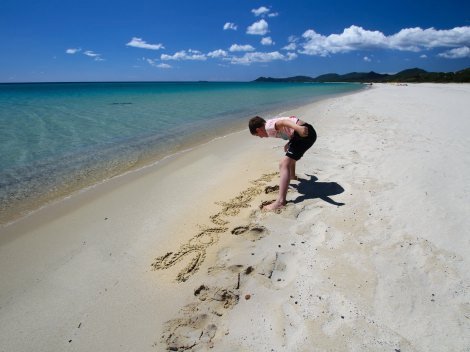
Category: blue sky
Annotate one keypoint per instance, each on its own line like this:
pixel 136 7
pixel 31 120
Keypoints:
pixel 227 40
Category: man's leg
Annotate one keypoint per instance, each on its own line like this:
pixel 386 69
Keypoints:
pixel 292 171
pixel 285 167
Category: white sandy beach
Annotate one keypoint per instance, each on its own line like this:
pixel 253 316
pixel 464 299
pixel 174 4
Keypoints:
pixel 370 254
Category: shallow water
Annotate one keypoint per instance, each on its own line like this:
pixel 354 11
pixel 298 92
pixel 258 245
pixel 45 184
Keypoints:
pixel 56 138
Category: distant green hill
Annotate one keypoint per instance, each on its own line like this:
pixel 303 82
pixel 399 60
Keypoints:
pixel 290 79
pixel 413 75
pixel 462 76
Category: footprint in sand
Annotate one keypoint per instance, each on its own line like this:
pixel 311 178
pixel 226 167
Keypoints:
pixel 197 330
pixel 186 333
pixel 218 298
pixel 277 269
pixel 271 189
pixel 251 232
pixel 284 269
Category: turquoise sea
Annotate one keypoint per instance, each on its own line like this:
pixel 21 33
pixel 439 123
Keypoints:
pixel 57 138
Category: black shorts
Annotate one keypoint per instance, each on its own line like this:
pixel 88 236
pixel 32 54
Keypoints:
pixel 299 145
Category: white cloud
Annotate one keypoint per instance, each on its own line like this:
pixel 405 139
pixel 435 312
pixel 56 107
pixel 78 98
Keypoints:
pixel 260 11
pixel 291 46
pixel 95 56
pixel 142 44
pixel 163 65
pixel 292 39
pixel 156 64
pixel 230 25
pixel 424 56
pixel 183 55
pixel 273 14
pixel 415 39
pixel 457 53
pixel 267 41
pixel 291 56
pixel 72 51
pixel 250 58
pixel 352 38
pixel 258 28
pixel 367 59
pixel 236 47
pixel 358 38
pixel 91 53
pixel 217 53
pixel 292 43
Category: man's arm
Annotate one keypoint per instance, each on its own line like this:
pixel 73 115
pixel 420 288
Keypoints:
pixel 301 130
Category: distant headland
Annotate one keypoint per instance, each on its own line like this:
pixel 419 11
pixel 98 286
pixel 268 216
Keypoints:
pixel 413 75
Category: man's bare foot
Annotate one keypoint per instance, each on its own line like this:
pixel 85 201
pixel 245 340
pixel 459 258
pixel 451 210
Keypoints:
pixel 273 206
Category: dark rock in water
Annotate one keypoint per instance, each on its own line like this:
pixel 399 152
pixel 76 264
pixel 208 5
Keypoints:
pixel 121 103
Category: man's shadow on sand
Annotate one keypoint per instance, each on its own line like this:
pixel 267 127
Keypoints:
pixel 311 189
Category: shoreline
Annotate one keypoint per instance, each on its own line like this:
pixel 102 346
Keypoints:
pixel 369 251
pixel 30 206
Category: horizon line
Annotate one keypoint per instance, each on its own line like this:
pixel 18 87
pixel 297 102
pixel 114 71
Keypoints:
pixel 222 81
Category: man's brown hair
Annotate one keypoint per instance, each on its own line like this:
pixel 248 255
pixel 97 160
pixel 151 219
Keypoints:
pixel 256 122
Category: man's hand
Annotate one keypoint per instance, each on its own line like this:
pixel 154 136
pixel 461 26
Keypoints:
pixel 303 131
